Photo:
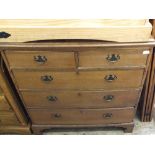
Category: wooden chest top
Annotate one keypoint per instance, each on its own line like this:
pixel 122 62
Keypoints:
pixel 98 29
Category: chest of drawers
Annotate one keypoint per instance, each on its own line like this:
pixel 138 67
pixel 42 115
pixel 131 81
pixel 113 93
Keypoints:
pixel 12 117
pixel 147 101
pixel 7 116
pixel 78 83
pixel 4 104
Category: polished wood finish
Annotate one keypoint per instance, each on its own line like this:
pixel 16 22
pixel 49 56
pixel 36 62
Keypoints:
pixel 26 59
pixel 12 117
pixel 87 58
pixel 4 105
pixel 39 129
pixel 87 80
pixel 81 116
pixel 18 130
pixel 13 101
pixel 147 97
pixel 80 99
pixel 8 118
pixel 126 57
pixel 22 31
pixel 71 22
pixel 66 79
pixel 76 44
pixel 153 27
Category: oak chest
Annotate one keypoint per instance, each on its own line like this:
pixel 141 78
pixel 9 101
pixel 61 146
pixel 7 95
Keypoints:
pixel 12 117
pixel 79 83
pixel 77 73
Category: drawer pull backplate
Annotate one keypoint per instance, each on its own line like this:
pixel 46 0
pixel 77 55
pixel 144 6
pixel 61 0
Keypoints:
pixel 46 78
pixel 107 115
pixel 4 35
pixel 52 98
pixel 110 78
pixel 108 98
pixel 113 57
pixel 40 59
pixel 57 115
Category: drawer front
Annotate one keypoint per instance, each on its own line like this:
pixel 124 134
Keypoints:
pixel 1 92
pixel 4 105
pixel 40 59
pixel 8 118
pixel 84 80
pixel 81 99
pixel 81 116
pixel 113 58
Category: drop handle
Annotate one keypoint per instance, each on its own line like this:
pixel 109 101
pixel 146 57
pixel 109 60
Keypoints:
pixel 57 115
pixel 108 98
pixel 40 59
pixel 4 35
pixel 52 98
pixel 46 78
pixel 110 78
pixel 107 115
pixel 113 57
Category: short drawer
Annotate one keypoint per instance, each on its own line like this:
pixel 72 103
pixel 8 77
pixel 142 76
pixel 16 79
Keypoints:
pixel 4 105
pixel 113 57
pixel 8 118
pixel 40 59
pixel 80 99
pixel 81 116
pixel 111 79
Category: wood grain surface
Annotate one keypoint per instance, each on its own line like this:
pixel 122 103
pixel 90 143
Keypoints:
pixel 8 118
pixel 87 80
pixel 76 29
pixel 4 105
pixel 81 116
pixel 80 99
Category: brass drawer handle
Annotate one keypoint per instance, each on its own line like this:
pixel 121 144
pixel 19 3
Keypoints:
pixel 57 115
pixel 4 35
pixel 107 115
pixel 40 59
pixel 113 57
pixel 110 78
pixel 46 78
pixel 108 98
pixel 52 98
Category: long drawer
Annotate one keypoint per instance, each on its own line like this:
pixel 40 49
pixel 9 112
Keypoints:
pixel 87 80
pixel 80 99
pixel 94 57
pixel 81 116
pixel 4 105
pixel 8 118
